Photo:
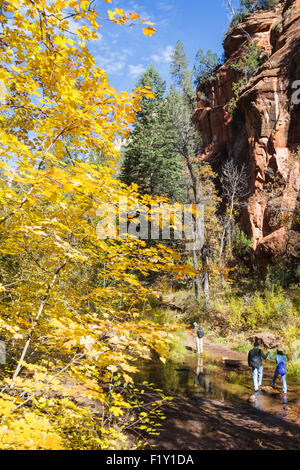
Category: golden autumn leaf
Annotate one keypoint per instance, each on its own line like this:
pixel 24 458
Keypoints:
pixel 149 31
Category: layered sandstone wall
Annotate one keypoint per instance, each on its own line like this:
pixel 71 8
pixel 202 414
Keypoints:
pixel 264 132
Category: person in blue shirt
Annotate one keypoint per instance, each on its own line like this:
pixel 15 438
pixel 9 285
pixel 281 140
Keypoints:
pixel 280 369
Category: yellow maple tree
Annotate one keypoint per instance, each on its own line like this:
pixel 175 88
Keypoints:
pixel 70 307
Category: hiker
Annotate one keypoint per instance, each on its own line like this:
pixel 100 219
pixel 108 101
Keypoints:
pixel 280 369
pixel 199 333
pixel 255 357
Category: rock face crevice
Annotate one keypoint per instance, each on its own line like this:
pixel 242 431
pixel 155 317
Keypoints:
pixel 264 132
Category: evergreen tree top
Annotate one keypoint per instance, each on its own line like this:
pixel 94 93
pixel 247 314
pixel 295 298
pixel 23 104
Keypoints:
pixel 152 78
pixel 179 69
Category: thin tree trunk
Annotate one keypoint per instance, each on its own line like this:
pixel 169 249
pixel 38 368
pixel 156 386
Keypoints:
pixel 40 311
pixel 205 281
pixel 221 263
pixel 196 279
pixel 61 371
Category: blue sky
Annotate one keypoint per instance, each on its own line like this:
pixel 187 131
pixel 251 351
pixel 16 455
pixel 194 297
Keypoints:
pixel 125 52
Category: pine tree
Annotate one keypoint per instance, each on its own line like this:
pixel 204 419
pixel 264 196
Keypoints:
pixel 180 70
pixel 150 160
pixel 205 65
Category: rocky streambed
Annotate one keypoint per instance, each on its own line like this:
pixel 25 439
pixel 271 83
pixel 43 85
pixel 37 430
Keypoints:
pixel 214 407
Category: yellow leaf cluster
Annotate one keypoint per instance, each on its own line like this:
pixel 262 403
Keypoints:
pixel 70 303
pixel 30 432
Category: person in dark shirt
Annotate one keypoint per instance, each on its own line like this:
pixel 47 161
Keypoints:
pixel 199 334
pixel 255 357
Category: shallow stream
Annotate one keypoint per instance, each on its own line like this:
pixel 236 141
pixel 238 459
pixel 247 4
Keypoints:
pixel 206 376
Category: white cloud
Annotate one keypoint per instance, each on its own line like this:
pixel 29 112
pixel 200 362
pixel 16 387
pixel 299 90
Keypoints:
pixel 137 8
pixel 164 55
pixel 112 61
pixel 136 70
pixel 165 6
pixel 134 5
pixel 115 67
pixel 99 38
pixel 127 52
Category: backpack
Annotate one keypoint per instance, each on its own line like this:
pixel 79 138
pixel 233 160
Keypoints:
pixel 281 368
pixel 200 332
pixel 255 361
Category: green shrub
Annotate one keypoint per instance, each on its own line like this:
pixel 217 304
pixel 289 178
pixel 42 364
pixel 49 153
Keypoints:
pixel 293 369
pixel 250 61
pixel 247 65
pixel 177 350
pixel 162 316
pixel 220 340
pixel 242 244
pixel 236 88
pixel 279 27
pixel 236 310
pixel 271 309
pixel 242 347
pixel 281 275
pixel 250 6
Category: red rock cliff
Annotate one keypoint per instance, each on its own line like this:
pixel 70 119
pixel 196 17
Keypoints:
pixel 265 132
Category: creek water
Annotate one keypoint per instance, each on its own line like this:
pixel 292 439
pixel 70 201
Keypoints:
pixel 207 376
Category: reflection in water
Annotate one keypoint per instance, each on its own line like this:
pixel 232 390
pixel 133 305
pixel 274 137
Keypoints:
pixel 277 404
pixel 259 402
pixel 283 414
pixel 201 379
